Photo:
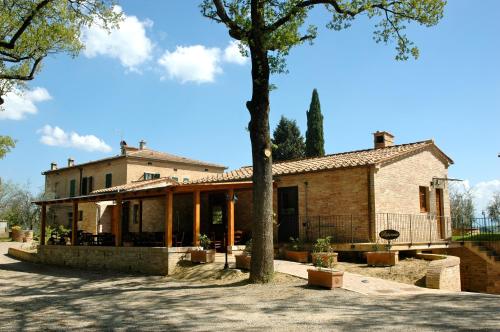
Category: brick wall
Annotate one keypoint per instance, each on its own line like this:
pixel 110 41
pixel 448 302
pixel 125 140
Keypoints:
pixel 153 215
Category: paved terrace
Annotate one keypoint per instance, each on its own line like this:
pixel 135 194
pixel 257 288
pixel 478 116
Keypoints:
pixel 36 297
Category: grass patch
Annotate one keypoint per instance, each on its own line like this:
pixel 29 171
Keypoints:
pixel 477 237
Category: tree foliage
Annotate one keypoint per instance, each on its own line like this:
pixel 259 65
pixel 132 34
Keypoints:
pixel 461 205
pixel 267 31
pixel 16 205
pixel 288 142
pixel 493 207
pixel 6 144
pixel 315 142
pixel 30 30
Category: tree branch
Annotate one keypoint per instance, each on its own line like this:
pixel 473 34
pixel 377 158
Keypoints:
pixel 27 21
pixel 235 31
pixel 28 77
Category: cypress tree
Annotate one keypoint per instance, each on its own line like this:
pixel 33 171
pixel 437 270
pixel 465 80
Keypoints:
pixel 287 141
pixel 315 143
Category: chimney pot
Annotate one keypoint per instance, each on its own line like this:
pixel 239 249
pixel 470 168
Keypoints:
pixel 71 162
pixel 53 166
pixel 383 139
pixel 142 144
pixel 123 147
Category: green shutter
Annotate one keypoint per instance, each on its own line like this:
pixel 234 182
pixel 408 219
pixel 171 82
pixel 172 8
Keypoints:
pixel 109 180
pixel 72 188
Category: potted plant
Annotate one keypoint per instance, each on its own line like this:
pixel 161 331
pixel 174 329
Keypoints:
pixel 205 255
pixel 243 260
pixel 295 252
pixel 324 275
pixel 382 257
pixel 17 233
pixel 322 251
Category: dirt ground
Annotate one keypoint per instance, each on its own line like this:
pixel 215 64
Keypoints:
pixel 409 271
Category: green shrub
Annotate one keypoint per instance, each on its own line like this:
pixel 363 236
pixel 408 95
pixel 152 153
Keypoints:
pixel 322 244
pixel 248 247
pixel 205 241
pixel 296 244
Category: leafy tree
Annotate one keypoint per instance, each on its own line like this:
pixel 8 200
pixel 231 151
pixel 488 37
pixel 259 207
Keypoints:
pixel 288 143
pixel 315 142
pixel 16 206
pixel 6 144
pixel 32 29
pixel 461 207
pixel 269 30
pixel 493 207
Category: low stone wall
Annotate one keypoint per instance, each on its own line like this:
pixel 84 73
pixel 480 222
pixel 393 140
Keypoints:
pixel 23 255
pixel 154 261
pixel 443 272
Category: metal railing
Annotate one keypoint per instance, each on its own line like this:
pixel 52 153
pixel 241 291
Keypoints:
pixel 483 231
pixel 413 228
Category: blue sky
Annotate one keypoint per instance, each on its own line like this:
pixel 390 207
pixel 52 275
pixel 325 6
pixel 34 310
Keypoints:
pixel 167 78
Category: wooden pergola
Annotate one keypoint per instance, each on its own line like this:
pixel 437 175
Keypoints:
pixel 166 193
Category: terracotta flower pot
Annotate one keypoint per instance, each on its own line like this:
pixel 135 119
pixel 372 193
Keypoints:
pixel 297 256
pixel 203 256
pixel 382 258
pixel 28 236
pixel 326 258
pixel 243 261
pixel 17 235
pixel 325 278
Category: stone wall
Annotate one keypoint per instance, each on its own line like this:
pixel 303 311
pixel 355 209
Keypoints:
pixel 23 255
pixel 154 261
pixel 443 272
pixel 477 275
pixel 153 215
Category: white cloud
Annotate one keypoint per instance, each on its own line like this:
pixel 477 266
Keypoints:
pixel 483 193
pixel 19 103
pixel 232 54
pixel 195 63
pixel 128 42
pixel 55 136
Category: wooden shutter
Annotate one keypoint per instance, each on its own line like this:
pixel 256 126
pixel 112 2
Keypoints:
pixel 90 184
pixel 72 188
pixel 109 180
pixel 84 186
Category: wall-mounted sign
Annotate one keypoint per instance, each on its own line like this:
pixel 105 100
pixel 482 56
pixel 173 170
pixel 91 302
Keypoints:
pixel 389 234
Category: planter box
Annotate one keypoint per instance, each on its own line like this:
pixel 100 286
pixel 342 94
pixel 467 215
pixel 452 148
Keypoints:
pixel 382 258
pixel 297 256
pixel 203 256
pixel 243 262
pixel 325 278
pixel 324 257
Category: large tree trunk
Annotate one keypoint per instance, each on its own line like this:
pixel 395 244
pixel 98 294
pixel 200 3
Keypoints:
pixel 262 268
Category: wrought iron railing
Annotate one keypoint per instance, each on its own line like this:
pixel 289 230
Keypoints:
pixel 350 228
pixel 483 231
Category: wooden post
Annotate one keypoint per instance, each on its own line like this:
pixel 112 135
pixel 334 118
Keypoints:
pixel 43 220
pixel 74 224
pixel 140 216
pixel 196 218
pixel 118 221
pixel 230 218
pixel 169 217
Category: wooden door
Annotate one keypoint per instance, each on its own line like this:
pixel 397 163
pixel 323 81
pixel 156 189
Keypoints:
pixel 439 212
pixel 288 213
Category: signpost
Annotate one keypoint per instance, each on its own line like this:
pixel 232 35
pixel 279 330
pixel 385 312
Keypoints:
pixel 389 235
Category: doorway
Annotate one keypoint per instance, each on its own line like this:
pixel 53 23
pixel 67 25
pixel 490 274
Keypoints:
pixel 439 213
pixel 288 213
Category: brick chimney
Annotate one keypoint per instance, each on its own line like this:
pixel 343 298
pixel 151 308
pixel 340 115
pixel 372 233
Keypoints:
pixel 53 166
pixel 383 139
pixel 142 144
pixel 71 162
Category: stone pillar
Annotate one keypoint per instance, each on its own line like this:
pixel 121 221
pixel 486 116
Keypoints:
pixel 118 222
pixel 196 218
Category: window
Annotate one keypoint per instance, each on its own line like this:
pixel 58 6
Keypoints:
pixel 151 176
pixel 424 205
pixel 175 178
pixel 70 217
pixel 87 185
pixel 80 215
pixel 135 215
pixel 109 180
pixel 185 180
pixel 72 188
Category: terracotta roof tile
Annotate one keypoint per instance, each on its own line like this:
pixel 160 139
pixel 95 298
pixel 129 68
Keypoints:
pixel 147 184
pixel 333 161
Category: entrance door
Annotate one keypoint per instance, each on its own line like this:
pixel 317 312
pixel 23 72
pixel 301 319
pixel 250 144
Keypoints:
pixel 125 217
pixel 217 219
pixel 288 213
pixel 439 212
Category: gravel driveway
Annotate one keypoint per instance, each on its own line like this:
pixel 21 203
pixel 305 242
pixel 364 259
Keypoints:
pixel 35 297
